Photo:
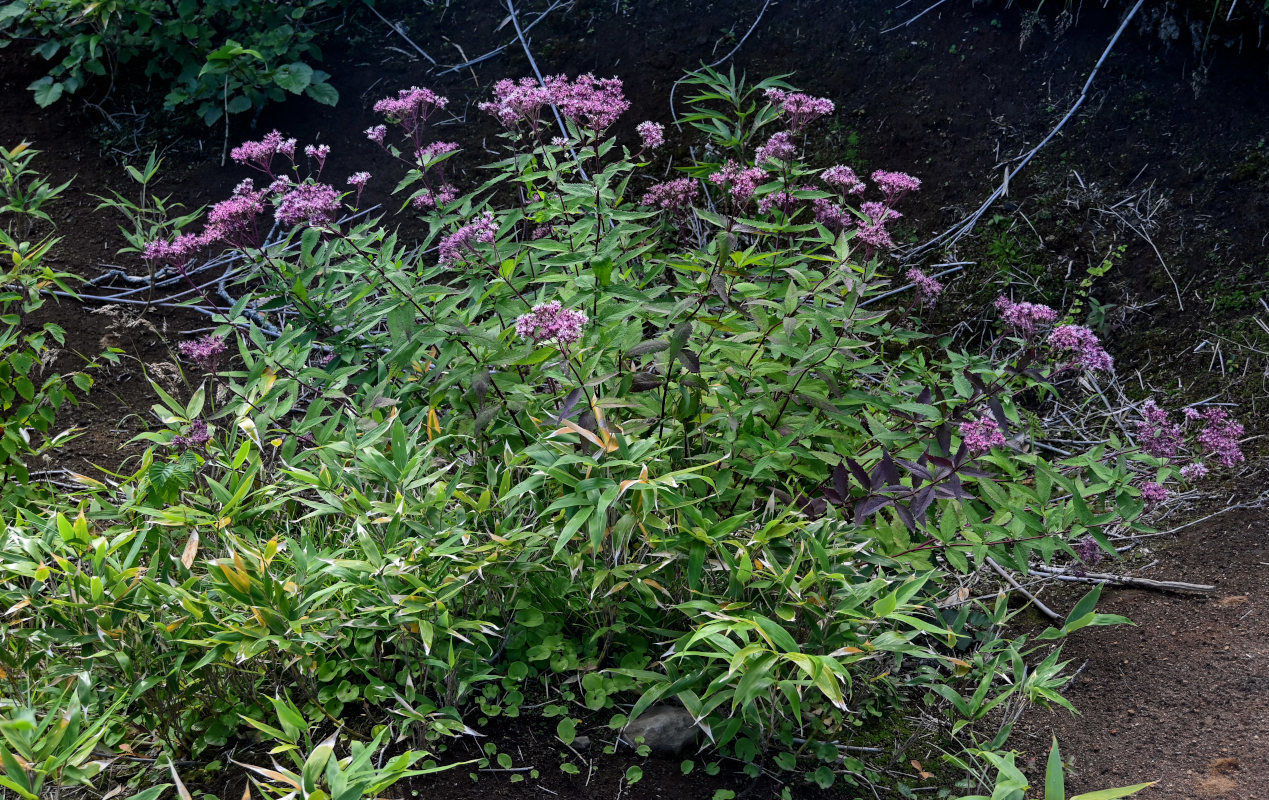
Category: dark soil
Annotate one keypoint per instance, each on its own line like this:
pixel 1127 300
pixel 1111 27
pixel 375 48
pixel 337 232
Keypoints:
pixel 1167 158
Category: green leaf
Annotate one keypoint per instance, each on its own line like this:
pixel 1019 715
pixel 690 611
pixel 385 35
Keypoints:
pixel 634 775
pixel 566 729
pixel 323 93
pixel 238 104
pixel 1054 777
pixel 294 77
pixel 47 91
pixel 1113 794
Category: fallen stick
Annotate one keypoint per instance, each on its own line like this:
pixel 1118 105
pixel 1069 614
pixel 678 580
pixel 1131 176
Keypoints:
pixel 1123 580
pixel 1035 601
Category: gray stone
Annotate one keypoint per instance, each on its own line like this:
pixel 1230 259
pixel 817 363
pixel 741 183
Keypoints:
pixel 668 730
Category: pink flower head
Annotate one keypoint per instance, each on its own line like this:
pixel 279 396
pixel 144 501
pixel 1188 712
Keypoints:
pixel 843 179
pixel 779 147
pixel 894 185
pixel 434 151
pixel 831 215
pixel 1193 472
pixel 1082 343
pixel 1220 436
pixel 739 181
pixel 551 322
pixel 1156 435
pixel 981 435
pixel 516 102
pixel 197 437
pixel 588 101
pixel 652 134
pixel 318 152
pixel 427 199
pixel 204 352
pixel 260 154
pixel 308 204
pixel 874 235
pixel 377 133
pixel 927 289
pixel 176 253
pixel 1154 493
pixel 1024 317
pixel 879 213
pixel 676 195
pixel 800 109
pixel 784 201
pixel 411 109
pixel 358 181
pixel 453 247
pixel 233 221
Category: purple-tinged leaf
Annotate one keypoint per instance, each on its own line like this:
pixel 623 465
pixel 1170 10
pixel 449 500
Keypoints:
pixel 905 516
pixel 840 483
pixel 870 505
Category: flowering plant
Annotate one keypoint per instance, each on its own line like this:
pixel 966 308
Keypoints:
pixel 684 440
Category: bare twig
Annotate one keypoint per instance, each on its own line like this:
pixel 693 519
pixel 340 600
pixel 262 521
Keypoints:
pixel 1035 601
pixel 914 19
pixel 1061 574
pixel 396 28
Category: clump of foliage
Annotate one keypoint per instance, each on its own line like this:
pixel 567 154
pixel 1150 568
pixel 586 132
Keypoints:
pixel 214 57
pixel 598 440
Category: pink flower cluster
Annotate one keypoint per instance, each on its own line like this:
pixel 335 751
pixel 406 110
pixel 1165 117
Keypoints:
pixel 652 134
pixel 551 322
pixel 800 109
pixel 1220 437
pixel 308 204
pixel 517 101
pixel 1154 493
pixel 410 109
pixel 233 221
pixel 1156 434
pixel 894 185
pixel 1084 346
pixel 204 352
pixel 177 252
pixel 427 199
pixel 779 147
pixel 741 182
pixel 981 435
pixel 1024 317
pixel 260 154
pixel 453 247
pixel 831 215
pixel 588 101
pixel 377 133
pixel 927 289
pixel 434 151
pixel 843 179
pixel 675 196
pixel 784 201
pixel 197 437
pixel 318 152
pixel 872 229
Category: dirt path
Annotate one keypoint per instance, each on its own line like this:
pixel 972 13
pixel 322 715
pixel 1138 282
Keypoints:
pixel 1183 697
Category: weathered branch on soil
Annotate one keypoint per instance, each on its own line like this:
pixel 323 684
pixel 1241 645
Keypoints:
pixel 1061 574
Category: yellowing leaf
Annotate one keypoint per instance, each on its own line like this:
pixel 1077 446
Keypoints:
pixel 190 551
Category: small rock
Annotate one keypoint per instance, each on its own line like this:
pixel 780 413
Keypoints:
pixel 581 743
pixel 668 730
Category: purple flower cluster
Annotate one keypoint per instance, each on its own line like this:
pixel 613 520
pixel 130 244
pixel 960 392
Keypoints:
pixel 427 199
pixel 675 196
pixel 779 147
pixel 377 133
pixel 784 201
pixel 800 109
pixel 1156 434
pixel 1082 343
pixel 1089 551
pixel 453 247
pixel 1220 436
pixel 1024 317
pixel 517 101
pixel 872 229
pixel 318 152
pixel 927 289
pixel 233 221
pixel 1153 493
pixel 588 101
pixel 894 185
pixel 358 181
pixel 204 352
pixel 831 215
pixel 652 134
pixel 739 181
pixel 260 154
pixel 176 253
pixel 981 435
pixel 551 322
pixel 434 151
pixel 843 179
pixel 308 204
pixel 1193 472
pixel 197 437
pixel 410 109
